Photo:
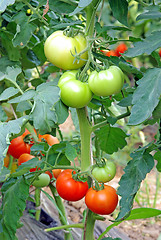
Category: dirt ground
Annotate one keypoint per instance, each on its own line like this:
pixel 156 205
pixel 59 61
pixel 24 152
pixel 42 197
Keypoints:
pixel 144 229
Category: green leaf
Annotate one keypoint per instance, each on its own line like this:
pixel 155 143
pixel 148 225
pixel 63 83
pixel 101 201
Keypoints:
pixel 4 4
pixel 157 156
pixel 147 45
pixel 81 5
pixel 29 94
pixel 8 92
pixel 5 172
pixel 64 25
pixel 125 102
pixel 3 115
pixel 23 34
pixel 13 126
pixel 44 117
pixel 61 111
pixel 5 62
pixel 146 96
pixel 157 111
pixel 23 106
pixel 142 213
pixel 70 152
pixel 119 10
pixel 135 172
pixel 10 74
pixel 26 166
pixel 62 7
pixel 111 139
pixel 14 201
pixel 149 15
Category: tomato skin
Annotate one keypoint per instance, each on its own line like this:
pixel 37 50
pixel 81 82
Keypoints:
pixel 106 173
pixel 56 172
pixel 6 161
pixel 24 158
pixel 73 92
pixel 106 82
pixel 102 202
pixel 121 48
pixel 160 52
pixel 70 189
pixel 59 48
pixel 51 140
pixel 18 147
pixel 42 180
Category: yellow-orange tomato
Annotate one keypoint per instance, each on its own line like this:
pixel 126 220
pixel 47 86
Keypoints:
pixel 56 172
pixel 51 140
pixel 6 161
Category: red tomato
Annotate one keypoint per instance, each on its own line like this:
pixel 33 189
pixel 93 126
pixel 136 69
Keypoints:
pixel 56 172
pixel 50 174
pixel 109 53
pixel 24 158
pixel 103 201
pixel 121 48
pixel 70 189
pixel 51 140
pixel 160 52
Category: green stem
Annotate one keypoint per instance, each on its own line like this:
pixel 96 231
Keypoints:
pixel 62 216
pixel 85 132
pixel 31 130
pixel 37 203
pixel 89 226
pixel 78 225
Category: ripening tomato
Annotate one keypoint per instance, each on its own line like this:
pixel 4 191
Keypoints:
pixel 106 82
pixel 73 92
pixel 59 50
pixel 50 174
pixel 51 140
pixel 160 52
pixel 121 48
pixel 106 173
pixel 103 201
pixel 56 172
pixel 42 180
pixel 24 158
pixel 70 189
pixel 6 161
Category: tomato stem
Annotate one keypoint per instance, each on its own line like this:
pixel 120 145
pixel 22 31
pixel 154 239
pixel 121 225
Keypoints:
pixel 62 212
pixel 85 132
pixel 77 225
pixel 37 203
pixel 89 226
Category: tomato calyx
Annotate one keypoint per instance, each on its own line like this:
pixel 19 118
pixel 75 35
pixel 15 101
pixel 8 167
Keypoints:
pixel 100 163
pixel 97 186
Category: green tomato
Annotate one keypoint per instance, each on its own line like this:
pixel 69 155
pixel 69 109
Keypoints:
pixel 68 75
pixel 73 92
pixel 106 173
pixel 59 50
pixel 106 82
pixel 42 180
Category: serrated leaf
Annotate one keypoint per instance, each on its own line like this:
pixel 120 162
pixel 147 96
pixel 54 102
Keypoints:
pixel 13 126
pixel 146 96
pixel 111 139
pixel 142 213
pixel 70 152
pixel 23 34
pixel 29 94
pixel 149 15
pixel 135 172
pixel 147 45
pixel 7 93
pixel 14 201
pixel 44 117
pixel 4 4
pixel 119 10
pixel 10 74
pixel 157 156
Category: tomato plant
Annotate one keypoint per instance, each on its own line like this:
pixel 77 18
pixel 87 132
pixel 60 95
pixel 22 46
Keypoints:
pixel 73 92
pixel 105 173
pixel 18 147
pixel 106 82
pixel 42 180
pixel 102 201
pixel 70 189
pixel 60 50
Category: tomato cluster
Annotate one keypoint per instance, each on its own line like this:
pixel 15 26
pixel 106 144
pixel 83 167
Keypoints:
pixel 20 149
pixel 121 48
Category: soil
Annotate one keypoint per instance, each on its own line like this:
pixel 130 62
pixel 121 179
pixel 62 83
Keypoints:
pixel 144 229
